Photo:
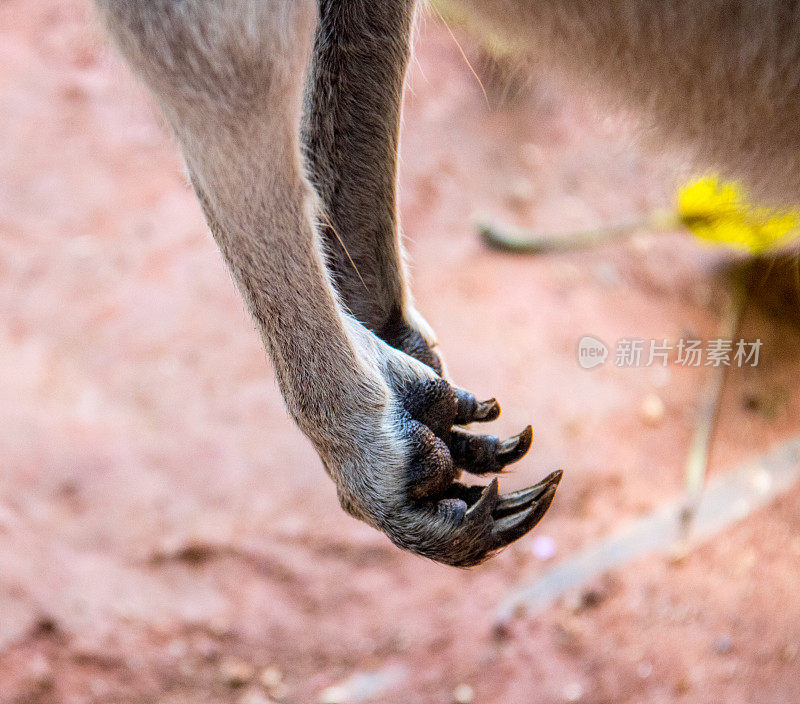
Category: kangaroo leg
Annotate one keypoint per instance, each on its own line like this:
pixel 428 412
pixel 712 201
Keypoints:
pixel 228 76
pixel 350 130
pixel 350 133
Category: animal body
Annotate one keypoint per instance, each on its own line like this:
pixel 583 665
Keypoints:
pixel 287 114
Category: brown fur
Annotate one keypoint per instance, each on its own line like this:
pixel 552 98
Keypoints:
pixel 720 78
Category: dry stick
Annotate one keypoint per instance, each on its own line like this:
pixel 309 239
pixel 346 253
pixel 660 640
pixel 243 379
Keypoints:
pixel 729 498
pixel 697 459
pixel 508 239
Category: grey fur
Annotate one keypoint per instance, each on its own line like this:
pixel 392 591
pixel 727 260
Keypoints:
pixel 264 95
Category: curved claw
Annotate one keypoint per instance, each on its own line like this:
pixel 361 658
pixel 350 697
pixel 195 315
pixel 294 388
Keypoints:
pixel 507 530
pixel 480 511
pixel 470 410
pixel 491 521
pixel 485 454
pixel 486 411
pixel 519 500
pixel 437 516
pixel 515 448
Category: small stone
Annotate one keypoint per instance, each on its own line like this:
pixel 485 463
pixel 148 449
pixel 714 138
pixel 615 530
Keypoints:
pixel 501 631
pixel 463 694
pixel 723 645
pixel 652 409
pixel 592 596
pixel 544 547
pixel 236 673
pixel 364 686
pixel 270 677
pixel 573 692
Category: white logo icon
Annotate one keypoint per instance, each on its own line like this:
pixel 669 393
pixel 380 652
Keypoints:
pixel 591 352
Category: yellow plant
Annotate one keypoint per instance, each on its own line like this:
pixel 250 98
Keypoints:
pixel 719 212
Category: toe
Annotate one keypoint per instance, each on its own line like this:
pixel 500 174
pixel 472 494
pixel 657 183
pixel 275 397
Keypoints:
pixel 520 500
pixel 471 410
pixel 431 471
pixel 485 454
pixel 512 527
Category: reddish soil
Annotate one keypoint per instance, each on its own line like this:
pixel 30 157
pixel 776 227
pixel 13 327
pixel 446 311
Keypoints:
pixel 165 531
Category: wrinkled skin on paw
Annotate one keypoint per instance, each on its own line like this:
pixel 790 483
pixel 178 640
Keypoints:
pixel 415 456
pixel 406 337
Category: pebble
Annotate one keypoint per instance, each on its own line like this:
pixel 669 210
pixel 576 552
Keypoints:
pixel 235 673
pixel 463 694
pixel 723 645
pixel 270 677
pixel 573 692
pixel 652 409
pixel 544 547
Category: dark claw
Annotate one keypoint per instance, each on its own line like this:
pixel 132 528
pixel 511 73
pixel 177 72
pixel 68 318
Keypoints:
pixel 480 511
pixel 469 409
pixel 519 500
pixel 515 448
pixel 511 528
pixel 473 522
pixel 485 454
pixel 441 518
pixel 487 411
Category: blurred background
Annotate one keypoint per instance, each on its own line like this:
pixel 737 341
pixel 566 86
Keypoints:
pixel 166 533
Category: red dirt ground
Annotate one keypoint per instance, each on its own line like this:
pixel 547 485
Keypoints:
pixel 166 533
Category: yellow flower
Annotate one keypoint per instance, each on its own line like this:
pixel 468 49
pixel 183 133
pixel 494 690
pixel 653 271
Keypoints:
pixel 718 211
